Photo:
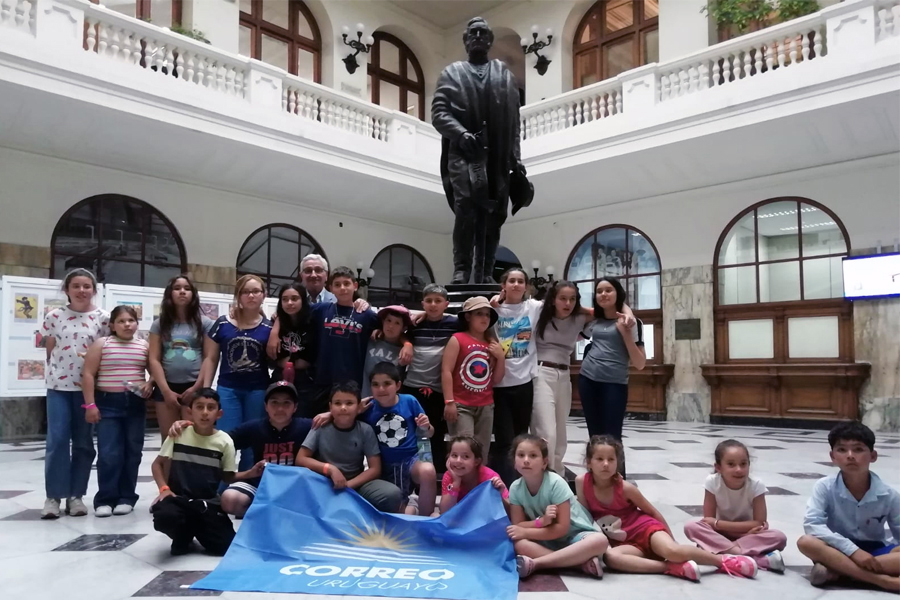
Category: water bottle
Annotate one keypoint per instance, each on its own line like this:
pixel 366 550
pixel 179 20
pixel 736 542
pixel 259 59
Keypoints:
pixel 134 387
pixel 287 373
pixel 424 445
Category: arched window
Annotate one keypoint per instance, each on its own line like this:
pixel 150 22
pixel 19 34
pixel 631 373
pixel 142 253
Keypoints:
pixel 395 77
pixel 282 33
pixel 613 37
pixel 778 271
pixel 400 274
pixel 121 239
pixel 626 253
pixel 274 252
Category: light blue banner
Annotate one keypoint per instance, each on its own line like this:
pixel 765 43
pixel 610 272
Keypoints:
pixel 302 536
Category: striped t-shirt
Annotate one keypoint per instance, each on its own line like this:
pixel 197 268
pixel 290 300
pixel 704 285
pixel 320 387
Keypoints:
pixel 121 361
pixel 198 462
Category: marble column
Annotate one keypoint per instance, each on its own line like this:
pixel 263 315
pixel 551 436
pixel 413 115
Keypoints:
pixel 876 324
pixel 22 417
pixel 688 294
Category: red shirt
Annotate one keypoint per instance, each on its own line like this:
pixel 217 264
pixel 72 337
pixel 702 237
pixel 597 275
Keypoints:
pixel 473 373
pixel 484 474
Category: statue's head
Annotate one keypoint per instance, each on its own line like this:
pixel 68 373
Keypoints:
pixel 478 37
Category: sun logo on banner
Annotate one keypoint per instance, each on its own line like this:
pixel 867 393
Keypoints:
pixel 376 536
pixel 374 543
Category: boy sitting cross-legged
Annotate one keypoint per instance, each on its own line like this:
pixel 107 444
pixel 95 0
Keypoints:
pixel 847 513
pixel 188 471
pixel 337 450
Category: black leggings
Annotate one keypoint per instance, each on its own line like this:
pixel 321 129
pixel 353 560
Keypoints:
pixel 512 417
pixel 604 407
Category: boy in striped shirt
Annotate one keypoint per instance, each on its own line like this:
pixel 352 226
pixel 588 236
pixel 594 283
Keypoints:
pixel 188 471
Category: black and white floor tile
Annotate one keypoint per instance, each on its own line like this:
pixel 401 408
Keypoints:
pixel 122 557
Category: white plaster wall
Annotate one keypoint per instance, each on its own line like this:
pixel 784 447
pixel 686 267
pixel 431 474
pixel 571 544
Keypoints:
pixel 686 225
pixel 683 29
pixel 37 190
pixel 217 19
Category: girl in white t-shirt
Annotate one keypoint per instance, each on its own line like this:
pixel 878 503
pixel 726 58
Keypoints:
pixel 69 332
pixel 734 512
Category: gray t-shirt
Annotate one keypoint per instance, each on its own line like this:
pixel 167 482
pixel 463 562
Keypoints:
pixel 344 449
pixel 559 339
pixel 378 351
pixel 607 360
pixel 182 353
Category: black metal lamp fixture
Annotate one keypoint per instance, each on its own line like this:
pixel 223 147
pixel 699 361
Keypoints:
pixel 357 44
pixel 535 47
pixel 364 281
pixel 541 284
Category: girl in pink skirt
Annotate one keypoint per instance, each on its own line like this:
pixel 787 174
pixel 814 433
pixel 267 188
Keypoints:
pixel 734 512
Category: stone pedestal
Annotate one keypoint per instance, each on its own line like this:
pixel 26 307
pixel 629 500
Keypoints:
pixel 688 294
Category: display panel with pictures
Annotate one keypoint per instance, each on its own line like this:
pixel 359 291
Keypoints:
pixel 876 276
pixel 145 302
pixel 24 302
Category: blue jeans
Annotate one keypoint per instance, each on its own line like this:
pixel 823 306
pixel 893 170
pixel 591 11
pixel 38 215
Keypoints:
pixel 239 406
pixel 604 406
pixel 66 475
pixel 120 440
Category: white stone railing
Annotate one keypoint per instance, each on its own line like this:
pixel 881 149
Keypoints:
pixel 578 107
pixel 315 102
pixel 751 55
pixel 94 42
pixel 164 54
pixel 17 14
pixel 848 31
pixel 887 15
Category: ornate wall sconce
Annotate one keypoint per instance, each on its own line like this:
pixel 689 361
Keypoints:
pixel 364 282
pixel 357 44
pixel 541 284
pixel 535 47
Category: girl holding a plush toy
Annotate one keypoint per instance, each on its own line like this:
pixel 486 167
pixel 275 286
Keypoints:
pixel 639 537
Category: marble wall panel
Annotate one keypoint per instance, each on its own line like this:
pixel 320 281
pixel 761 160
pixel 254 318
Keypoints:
pixel 876 332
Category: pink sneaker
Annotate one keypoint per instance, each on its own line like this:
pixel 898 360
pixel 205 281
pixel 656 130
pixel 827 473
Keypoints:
pixel 524 565
pixel 739 566
pixel 593 567
pixel 686 570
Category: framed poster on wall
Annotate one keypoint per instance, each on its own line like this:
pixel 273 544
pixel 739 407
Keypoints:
pixel 24 302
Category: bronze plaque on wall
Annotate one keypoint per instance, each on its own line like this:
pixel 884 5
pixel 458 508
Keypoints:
pixel 687 329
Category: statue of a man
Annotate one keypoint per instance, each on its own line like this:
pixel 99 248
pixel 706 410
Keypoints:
pixel 476 111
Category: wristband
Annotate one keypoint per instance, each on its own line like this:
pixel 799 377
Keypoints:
pixel 165 488
pixel 91 405
pixel 451 491
pixel 450 401
pixel 326 469
pixel 537 523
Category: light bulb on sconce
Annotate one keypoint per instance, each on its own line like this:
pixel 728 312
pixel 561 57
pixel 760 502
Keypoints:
pixel 550 271
pixel 535 264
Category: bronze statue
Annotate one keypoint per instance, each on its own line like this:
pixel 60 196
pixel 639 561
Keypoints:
pixel 476 111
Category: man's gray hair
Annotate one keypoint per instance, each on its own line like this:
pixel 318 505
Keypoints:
pixel 317 257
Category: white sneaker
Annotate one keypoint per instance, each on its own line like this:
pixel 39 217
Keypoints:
pixel 776 561
pixel 122 509
pixel 103 511
pixel 51 509
pixel 75 507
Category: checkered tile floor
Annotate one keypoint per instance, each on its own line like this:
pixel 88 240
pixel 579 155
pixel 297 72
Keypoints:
pixel 61 560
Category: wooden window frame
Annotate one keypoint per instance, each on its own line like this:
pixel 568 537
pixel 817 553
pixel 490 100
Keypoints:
pixel 147 211
pixel 779 312
pixel 269 274
pixel 637 30
pixel 142 10
pixel 653 316
pixel 291 36
pixel 390 250
pixel 402 81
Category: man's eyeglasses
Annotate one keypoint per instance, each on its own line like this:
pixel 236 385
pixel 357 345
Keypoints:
pixel 311 270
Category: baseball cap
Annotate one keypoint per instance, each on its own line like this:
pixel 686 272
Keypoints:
pixel 283 385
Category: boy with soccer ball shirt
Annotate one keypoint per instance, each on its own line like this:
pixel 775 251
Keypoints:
pixel 398 421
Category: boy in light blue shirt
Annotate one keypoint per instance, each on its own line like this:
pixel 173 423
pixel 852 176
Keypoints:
pixel 847 513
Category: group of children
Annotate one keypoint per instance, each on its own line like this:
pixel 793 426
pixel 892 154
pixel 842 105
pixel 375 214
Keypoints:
pixel 369 442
